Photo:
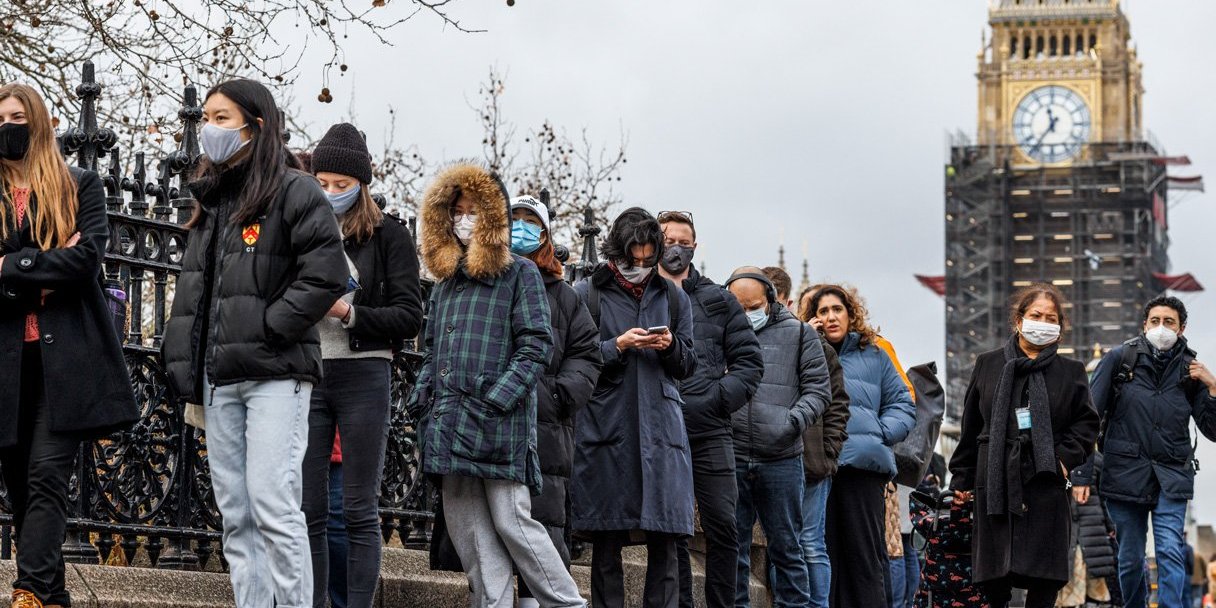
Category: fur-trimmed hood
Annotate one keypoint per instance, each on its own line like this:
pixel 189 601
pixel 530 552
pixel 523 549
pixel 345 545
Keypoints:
pixel 489 251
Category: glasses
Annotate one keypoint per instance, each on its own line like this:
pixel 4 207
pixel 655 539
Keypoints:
pixel 683 217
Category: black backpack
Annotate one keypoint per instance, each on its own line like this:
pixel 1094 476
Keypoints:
pixel 1127 372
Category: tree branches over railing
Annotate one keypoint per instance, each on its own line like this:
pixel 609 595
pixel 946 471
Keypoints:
pixel 578 173
pixel 146 50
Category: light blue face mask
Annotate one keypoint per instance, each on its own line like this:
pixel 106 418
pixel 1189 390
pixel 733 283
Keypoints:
pixel 343 201
pixel 525 237
pixel 758 318
pixel 221 144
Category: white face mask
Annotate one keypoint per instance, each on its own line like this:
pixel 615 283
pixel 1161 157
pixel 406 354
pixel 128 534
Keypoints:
pixel 1039 333
pixel 463 225
pixel 1162 337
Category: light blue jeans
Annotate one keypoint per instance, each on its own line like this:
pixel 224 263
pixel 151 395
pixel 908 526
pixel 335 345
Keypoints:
pixel 1169 529
pixel 256 435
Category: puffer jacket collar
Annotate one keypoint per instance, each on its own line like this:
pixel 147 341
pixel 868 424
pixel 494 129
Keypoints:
pixel 777 313
pixel 488 253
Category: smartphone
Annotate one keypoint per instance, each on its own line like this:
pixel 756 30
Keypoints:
pixel 662 329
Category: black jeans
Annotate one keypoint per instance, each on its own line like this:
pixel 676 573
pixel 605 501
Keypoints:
pixel 36 473
pixel 608 575
pixel 713 482
pixel 353 396
pixel 856 539
pixel 1040 593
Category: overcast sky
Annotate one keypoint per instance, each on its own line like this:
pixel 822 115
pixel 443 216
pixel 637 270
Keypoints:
pixel 822 124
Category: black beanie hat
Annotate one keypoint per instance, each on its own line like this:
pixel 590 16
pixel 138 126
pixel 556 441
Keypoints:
pixel 343 151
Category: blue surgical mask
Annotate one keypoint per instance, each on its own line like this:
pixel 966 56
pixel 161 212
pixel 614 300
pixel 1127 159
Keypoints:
pixel 525 237
pixel 343 201
pixel 758 318
pixel 219 143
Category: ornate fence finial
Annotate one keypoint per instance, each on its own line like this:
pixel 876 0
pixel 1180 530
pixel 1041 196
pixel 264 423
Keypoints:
pixel 86 140
pixel 590 259
pixel 136 185
pixel 183 161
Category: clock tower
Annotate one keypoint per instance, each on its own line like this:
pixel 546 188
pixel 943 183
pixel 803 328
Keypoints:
pixel 1060 185
pixel 1057 75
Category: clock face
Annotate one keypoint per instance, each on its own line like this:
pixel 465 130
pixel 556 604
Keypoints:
pixel 1051 124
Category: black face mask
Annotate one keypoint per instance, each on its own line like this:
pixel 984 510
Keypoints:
pixel 676 258
pixel 14 141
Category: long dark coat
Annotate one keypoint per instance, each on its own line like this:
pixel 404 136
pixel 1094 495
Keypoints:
pixel 88 390
pixel 1036 542
pixel 563 390
pixel 632 465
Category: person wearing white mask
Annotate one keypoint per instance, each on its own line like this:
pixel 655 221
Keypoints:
pixel 1027 422
pixel 632 481
pixel 1147 392
pixel 794 392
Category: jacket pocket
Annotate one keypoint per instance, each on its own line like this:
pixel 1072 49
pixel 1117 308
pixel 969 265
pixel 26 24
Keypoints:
pixel 479 436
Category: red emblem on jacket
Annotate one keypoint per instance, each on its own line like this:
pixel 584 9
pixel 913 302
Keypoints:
pixel 251 233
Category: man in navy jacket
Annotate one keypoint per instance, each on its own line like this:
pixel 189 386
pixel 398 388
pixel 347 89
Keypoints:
pixel 1147 401
pixel 729 366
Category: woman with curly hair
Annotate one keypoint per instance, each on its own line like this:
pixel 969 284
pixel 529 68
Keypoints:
pixel 881 414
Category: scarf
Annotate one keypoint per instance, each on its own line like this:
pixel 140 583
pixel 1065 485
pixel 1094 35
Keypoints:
pixel 1020 374
pixel 634 290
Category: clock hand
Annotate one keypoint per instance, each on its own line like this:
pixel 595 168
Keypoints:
pixel 1039 142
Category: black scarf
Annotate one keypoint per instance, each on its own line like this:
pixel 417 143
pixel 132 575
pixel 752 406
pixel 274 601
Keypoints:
pixel 1021 373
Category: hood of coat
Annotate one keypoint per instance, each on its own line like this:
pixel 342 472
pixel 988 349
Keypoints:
pixel 488 253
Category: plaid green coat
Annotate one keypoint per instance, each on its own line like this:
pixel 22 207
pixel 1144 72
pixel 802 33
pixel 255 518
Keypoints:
pixel 487 344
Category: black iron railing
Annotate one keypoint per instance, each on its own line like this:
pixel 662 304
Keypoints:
pixel 149 487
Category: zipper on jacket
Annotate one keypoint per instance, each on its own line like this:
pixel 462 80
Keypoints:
pixel 213 326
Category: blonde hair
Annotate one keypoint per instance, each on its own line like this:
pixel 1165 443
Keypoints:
pixel 50 181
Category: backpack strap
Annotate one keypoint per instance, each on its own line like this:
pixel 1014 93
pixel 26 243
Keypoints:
pixel 673 305
pixel 593 300
pixel 1127 367
pixel 1124 374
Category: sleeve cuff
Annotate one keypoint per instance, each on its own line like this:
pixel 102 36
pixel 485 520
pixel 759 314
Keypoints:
pixel 609 351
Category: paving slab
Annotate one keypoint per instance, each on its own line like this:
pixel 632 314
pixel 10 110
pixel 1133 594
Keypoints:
pixel 133 587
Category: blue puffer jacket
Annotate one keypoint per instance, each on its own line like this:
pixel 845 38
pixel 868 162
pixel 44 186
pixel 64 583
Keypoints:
pixel 881 412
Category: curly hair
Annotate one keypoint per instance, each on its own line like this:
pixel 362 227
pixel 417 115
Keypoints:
pixel 854 304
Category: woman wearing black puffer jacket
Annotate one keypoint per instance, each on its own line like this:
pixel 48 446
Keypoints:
pixel 383 308
pixel 263 265
pixel 1095 570
pixel 568 380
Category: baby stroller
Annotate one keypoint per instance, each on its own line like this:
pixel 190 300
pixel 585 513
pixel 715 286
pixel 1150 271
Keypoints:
pixel 945 578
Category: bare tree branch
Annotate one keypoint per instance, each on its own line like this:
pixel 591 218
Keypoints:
pixel 147 50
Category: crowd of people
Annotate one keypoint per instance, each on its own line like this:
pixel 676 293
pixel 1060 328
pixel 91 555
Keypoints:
pixel 617 411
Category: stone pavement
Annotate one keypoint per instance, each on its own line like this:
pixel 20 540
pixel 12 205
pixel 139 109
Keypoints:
pixel 405 582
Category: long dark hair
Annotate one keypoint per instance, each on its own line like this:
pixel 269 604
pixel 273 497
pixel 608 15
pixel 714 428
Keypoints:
pixel 634 226
pixel 267 161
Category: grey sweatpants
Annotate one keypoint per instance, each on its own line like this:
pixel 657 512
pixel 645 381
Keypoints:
pixel 491 526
